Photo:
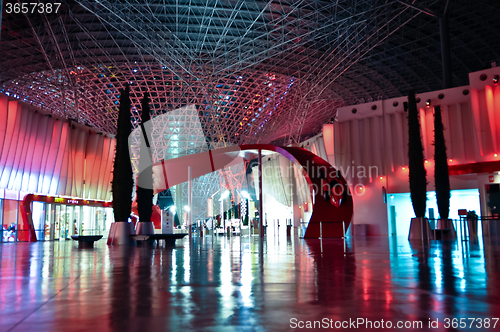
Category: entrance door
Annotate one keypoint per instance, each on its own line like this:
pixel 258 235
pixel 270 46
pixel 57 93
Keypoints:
pixel 77 220
pixel 38 217
pixel 73 213
pixel 50 227
pixel 393 220
pixel 62 222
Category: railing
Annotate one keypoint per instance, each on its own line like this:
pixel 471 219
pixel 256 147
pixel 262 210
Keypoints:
pixel 486 225
pixel 331 222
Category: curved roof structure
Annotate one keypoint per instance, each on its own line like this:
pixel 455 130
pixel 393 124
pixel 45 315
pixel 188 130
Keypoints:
pixel 257 71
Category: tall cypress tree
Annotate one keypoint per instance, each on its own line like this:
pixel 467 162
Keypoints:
pixel 417 173
pixel 441 176
pixel 145 178
pixel 123 181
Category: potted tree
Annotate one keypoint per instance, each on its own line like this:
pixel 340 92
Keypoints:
pixel 123 181
pixel 419 226
pixel 145 177
pixel 441 176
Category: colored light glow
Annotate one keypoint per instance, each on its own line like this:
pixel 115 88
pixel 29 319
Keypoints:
pixel 381 178
pixel 426 161
pixel 404 168
pixel 450 160
pixel 495 155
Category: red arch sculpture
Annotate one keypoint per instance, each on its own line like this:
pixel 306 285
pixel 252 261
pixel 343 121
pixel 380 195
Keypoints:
pixel 332 201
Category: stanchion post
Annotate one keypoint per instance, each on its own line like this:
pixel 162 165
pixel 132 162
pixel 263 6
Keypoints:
pixel 190 196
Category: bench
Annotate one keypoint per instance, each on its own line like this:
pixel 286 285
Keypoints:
pixel 151 238
pixel 86 241
pixel 443 234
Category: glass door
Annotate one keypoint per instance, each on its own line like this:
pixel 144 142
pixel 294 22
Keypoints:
pixel 62 222
pixel 38 217
pixel 50 216
pixel 67 222
pixel 76 220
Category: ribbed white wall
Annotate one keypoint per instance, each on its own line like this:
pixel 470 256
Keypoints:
pixel 46 155
pixel 378 139
pixel 376 134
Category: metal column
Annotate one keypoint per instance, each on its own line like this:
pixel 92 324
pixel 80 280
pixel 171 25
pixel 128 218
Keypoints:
pixel 190 196
pixel 445 51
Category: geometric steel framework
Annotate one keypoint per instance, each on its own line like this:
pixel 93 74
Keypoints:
pixel 176 134
pixel 256 71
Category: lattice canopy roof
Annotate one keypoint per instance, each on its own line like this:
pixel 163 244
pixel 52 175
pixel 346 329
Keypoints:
pixel 257 71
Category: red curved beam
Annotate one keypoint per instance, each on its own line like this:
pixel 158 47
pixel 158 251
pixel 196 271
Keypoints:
pixel 332 201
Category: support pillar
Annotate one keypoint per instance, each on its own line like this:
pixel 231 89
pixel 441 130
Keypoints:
pixel 445 51
pixel 190 196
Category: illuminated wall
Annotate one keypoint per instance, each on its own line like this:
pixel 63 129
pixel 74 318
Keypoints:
pixel 42 154
pixel 376 134
pixel 369 144
pixel 460 199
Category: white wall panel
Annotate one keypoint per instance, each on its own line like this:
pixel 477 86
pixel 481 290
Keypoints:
pixel 445 115
pixel 45 144
pixel 50 163
pixel 4 111
pixel 90 156
pixel 36 164
pixel 103 166
pixel 61 150
pixel 63 175
pixel 24 138
pixel 106 191
pixel 44 155
pixel 11 135
pixel 81 148
pixel 71 152
pixel 97 167
pixel 400 141
pixel 31 144
pixel 377 143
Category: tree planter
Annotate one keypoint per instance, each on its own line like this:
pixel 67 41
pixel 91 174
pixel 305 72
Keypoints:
pixel 120 232
pixel 145 227
pixel 420 229
pixel 447 224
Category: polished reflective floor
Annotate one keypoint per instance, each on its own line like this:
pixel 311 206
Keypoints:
pixel 240 284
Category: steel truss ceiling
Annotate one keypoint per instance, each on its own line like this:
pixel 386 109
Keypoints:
pixel 256 71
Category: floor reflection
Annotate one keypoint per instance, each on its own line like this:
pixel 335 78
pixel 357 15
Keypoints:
pixel 242 283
